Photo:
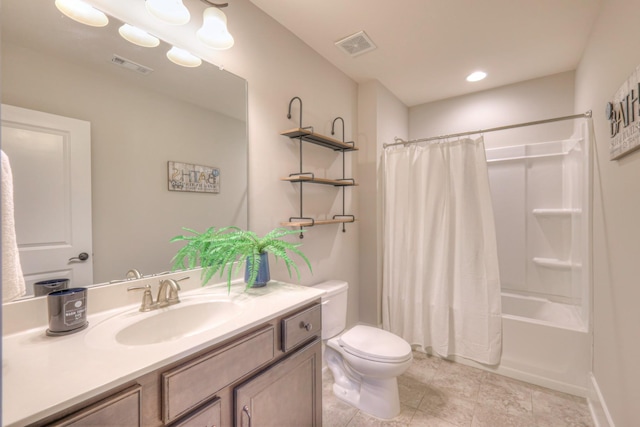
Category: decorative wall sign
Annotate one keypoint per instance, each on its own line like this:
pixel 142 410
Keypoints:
pixel 623 114
pixel 195 178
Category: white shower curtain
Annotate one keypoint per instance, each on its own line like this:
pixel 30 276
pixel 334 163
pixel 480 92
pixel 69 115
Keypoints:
pixel 441 286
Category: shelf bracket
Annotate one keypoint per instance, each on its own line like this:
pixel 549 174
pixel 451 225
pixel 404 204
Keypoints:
pixel 352 217
pixel 301 218
pixel 333 125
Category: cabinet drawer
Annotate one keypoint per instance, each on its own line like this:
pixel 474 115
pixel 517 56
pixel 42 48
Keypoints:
pixel 208 416
pixel 188 385
pixel 121 409
pixel 301 327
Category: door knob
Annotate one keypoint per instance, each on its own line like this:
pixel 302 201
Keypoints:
pixel 82 256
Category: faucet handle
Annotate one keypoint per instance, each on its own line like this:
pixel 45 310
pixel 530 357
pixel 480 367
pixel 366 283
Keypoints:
pixel 147 298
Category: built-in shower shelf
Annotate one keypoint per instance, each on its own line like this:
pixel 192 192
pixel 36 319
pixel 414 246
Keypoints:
pixel 555 264
pixel 556 212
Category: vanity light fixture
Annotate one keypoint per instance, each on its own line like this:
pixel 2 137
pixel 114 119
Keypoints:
pixel 182 57
pixel 172 12
pixel 476 76
pixel 82 12
pixel 214 32
pixel 137 36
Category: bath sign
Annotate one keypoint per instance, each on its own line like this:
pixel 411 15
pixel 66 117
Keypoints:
pixel 194 178
pixel 623 113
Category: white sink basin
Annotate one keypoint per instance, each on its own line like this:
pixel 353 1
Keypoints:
pixel 181 320
pixel 176 322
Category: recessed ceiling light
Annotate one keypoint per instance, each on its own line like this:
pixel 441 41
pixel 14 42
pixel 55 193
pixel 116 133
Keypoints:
pixel 476 76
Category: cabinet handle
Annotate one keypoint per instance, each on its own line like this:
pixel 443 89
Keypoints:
pixel 308 326
pixel 245 408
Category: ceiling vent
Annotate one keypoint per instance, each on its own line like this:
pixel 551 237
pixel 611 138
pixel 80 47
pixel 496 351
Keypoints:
pixel 356 44
pixel 130 65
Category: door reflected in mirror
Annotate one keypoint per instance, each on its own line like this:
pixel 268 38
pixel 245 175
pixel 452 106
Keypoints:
pixel 140 119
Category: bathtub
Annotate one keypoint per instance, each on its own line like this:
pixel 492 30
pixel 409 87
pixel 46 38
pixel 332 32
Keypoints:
pixel 543 343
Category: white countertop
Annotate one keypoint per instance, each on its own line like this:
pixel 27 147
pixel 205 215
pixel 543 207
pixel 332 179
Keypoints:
pixel 42 375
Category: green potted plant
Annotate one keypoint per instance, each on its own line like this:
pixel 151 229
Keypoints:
pixel 218 250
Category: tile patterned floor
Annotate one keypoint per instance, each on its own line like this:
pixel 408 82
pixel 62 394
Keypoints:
pixel 439 393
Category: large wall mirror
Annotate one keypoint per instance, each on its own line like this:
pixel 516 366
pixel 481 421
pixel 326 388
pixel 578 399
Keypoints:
pixel 139 122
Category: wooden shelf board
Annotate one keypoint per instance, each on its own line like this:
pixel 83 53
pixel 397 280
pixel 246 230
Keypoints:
pixel 317 222
pixel 316 138
pixel 304 178
pixel 556 212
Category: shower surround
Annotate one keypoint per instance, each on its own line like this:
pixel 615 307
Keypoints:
pixel 541 198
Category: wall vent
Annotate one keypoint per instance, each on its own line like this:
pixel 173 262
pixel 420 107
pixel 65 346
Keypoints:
pixel 356 44
pixel 130 65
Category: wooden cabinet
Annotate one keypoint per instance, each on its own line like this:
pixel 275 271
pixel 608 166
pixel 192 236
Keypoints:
pixel 287 394
pixel 120 409
pixel 275 368
pixel 188 385
pixel 210 415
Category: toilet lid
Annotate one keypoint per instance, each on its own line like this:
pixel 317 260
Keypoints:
pixel 375 344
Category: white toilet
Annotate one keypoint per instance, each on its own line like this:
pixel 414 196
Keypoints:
pixel 364 360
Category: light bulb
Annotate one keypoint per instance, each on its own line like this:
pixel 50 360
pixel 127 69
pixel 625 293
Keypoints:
pixel 82 12
pixel 214 31
pixel 138 37
pixel 182 57
pixel 172 12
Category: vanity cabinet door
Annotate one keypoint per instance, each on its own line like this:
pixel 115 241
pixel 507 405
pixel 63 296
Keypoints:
pixel 122 409
pixel 209 416
pixel 185 387
pixel 287 394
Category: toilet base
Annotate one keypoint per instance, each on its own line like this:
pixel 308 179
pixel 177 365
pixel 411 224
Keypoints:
pixel 377 397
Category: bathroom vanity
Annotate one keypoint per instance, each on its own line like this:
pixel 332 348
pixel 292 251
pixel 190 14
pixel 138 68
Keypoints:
pixel 258 366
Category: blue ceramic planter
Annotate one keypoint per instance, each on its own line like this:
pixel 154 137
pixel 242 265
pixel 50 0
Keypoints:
pixel 263 272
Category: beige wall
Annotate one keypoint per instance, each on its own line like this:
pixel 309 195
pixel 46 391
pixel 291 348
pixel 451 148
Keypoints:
pixel 611 56
pixel 381 117
pixel 536 99
pixel 278 66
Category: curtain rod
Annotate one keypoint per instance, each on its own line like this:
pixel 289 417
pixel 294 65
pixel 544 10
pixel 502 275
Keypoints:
pixel 400 141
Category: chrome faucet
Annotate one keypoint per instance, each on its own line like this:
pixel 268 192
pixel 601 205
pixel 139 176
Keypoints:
pixel 172 286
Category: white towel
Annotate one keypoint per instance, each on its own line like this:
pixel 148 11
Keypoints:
pixel 12 279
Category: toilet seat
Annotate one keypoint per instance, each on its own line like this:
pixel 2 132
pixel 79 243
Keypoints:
pixel 375 344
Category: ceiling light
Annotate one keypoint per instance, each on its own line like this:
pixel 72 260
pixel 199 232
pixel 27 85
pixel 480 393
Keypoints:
pixel 138 37
pixel 182 57
pixel 172 12
pixel 476 76
pixel 214 32
pixel 82 12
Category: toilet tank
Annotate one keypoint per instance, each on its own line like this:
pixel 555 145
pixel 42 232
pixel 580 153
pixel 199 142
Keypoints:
pixel 334 307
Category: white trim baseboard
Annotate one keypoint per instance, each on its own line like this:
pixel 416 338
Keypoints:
pixel 597 405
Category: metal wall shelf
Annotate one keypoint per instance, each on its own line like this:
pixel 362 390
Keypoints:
pixel 325 181
pixel 310 223
pixel 306 134
pixel 316 138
